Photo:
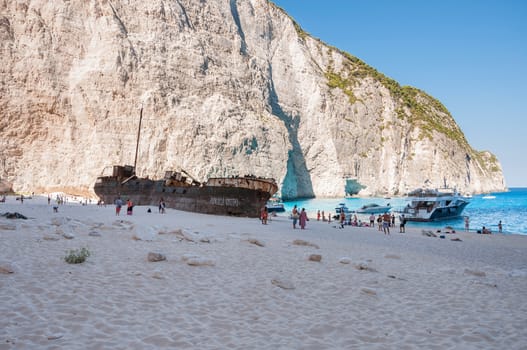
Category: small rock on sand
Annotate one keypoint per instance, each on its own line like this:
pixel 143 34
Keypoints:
pixel 197 261
pixel 315 257
pixel 183 235
pixel 188 256
pixel 155 257
pixel 475 273
pixel 392 256
pixel 55 336
pixel 282 284
pixel 157 276
pixel 304 243
pixel 256 242
pixel 345 260
pixel 365 267
pixel 8 227
pixel 6 269
pixel 368 291
pixel 50 238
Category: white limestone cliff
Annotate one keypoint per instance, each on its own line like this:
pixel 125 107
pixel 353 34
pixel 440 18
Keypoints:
pixel 227 88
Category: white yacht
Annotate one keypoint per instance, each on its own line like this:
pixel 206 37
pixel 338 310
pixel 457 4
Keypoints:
pixel 433 205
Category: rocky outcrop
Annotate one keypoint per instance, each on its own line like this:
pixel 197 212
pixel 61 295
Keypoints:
pixel 227 88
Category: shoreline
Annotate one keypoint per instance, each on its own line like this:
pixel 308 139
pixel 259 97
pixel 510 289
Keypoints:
pixel 312 214
pixel 252 285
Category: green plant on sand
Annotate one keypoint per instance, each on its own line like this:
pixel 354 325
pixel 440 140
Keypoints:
pixel 77 256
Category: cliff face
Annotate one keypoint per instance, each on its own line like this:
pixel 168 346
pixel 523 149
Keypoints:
pixel 227 88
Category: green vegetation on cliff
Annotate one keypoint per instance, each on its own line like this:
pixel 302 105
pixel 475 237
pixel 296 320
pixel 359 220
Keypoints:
pixel 417 107
pixel 337 81
pixel 413 105
pixel 430 115
pixel 487 160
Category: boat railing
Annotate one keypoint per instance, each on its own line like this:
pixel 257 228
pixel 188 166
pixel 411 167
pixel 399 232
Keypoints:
pixel 404 210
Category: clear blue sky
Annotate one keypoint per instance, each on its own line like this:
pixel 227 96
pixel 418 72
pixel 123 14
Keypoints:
pixel 469 54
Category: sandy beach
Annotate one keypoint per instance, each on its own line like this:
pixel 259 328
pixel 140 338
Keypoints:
pixel 233 283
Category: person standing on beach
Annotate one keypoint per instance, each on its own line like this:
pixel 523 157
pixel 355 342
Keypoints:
pixel 372 220
pixel 318 215
pixel 264 216
pixel 500 227
pixel 303 218
pixel 129 207
pixel 386 219
pixel 162 206
pixel 466 223
pixel 379 222
pixel 118 205
pixel 342 218
pixel 402 223
pixel 294 216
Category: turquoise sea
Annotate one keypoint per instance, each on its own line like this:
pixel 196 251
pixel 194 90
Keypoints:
pixel 484 210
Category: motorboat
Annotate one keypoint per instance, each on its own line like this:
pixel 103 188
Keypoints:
pixel 274 204
pixel 374 209
pixel 433 205
pixel 342 208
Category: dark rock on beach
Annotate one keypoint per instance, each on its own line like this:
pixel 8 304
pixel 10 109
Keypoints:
pixel 14 215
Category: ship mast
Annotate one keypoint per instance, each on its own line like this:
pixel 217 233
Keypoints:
pixel 138 136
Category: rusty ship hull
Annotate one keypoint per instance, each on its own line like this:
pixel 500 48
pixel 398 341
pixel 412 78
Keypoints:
pixel 236 196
